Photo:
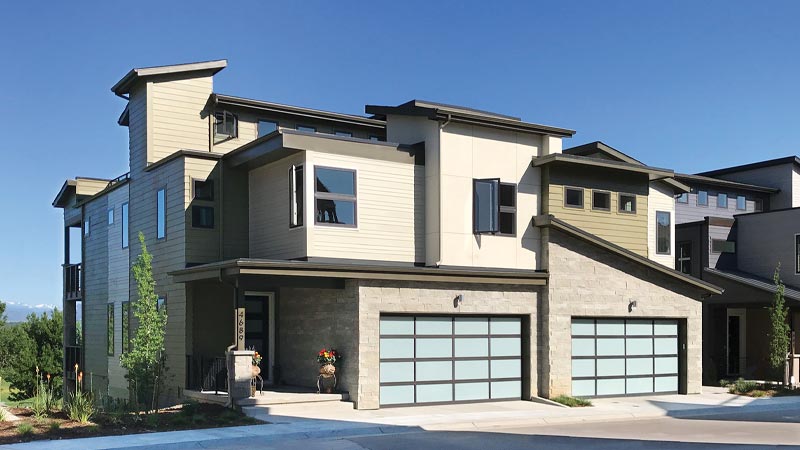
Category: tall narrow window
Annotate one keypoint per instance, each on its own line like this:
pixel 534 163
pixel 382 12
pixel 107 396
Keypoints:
pixel 507 217
pixel 124 224
pixel 296 196
pixel 684 261
pixel 335 196
pixel 797 253
pixel 266 127
pixel 161 303
pixel 485 205
pixel 663 232
pixel 110 329
pixel 87 226
pixel 161 220
pixel 126 325
pixel 722 200
pixel 111 216
pixel 741 202
pixel 702 198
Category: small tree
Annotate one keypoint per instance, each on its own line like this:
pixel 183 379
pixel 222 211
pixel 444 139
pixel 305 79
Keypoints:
pixel 779 328
pixel 146 357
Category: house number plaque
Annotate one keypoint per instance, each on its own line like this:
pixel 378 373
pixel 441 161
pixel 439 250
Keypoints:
pixel 240 328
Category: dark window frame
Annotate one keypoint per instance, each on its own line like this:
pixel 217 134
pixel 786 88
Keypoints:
pixel 161 303
pixel 725 205
pixel 715 243
pixel 110 331
pixel 340 197
pixel 229 131
pixel 126 326
pixel 758 205
pixel 197 224
pixel 669 233
pixel 297 202
pixel 507 209
pixel 194 189
pixel 583 197
pixel 680 258
pixel 620 203
pixel 699 196
pixel 493 208
pixel 744 200
pixel 159 217
pixel 797 253
pixel 258 127
pixel 601 192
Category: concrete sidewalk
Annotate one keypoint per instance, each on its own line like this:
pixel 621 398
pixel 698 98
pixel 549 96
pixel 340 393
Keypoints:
pixel 292 422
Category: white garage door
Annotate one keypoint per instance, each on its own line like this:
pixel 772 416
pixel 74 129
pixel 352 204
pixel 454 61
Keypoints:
pixel 624 357
pixel 445 359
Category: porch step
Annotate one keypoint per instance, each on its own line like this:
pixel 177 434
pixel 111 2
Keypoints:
pixel 291 398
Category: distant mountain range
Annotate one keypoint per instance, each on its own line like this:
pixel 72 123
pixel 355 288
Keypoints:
pixel 17 312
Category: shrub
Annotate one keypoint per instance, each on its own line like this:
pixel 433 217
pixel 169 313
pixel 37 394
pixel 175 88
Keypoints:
pixel 54 426
pixel 779 331
pixel 572 402
pixel 44 400
pixel 724 383
pixel 742 386
pixel 79 406
pixel 24 429
pixel 3 414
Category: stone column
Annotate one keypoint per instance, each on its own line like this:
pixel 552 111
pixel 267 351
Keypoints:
pixel 240 363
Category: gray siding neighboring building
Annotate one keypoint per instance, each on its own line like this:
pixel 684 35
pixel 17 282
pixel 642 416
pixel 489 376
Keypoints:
pixel 785 177
pixel 692 211
pixel 95 301
pixel 759 255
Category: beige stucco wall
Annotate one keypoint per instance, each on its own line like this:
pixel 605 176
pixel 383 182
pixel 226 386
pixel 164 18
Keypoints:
pixel 660 199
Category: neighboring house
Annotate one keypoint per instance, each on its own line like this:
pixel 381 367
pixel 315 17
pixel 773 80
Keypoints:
pixel 734 227
pixel 450 254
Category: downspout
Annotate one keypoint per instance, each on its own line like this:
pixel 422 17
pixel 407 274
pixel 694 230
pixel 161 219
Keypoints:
pixel 441 244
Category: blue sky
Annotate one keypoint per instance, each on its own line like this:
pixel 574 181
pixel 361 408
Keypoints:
pixel 685 85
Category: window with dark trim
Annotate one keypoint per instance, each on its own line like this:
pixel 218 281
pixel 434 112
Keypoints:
pixel 161 303
pixel 723 246
pixel 266 127
pixel 702 198
pixel 335 196
pixel 722 200
pixel 161 214
pixel 202 216
pixel 110 329
pixel 124 211
pixel 343 133
pixel 111 216
pixel 306 128
pixel 573 197
pixel 296 196
pixel 663 232
pixel 126 326
pixel 741 202
pixel 87 226
pixel 601 200
pixel 507 216
pixel 203 190
pixel 627 203
pixel 485 205
pixel 758 205
pixel 683 198
pixel 684 259
pixel 226 125
pixel 797 253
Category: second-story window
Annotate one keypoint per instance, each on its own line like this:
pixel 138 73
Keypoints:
pixel 797 253
pixel 684 260
pixel 87 226
pixel 683 198
pixel 507 217
pixel 627 203
pixel 296 196
pixel 126 320
pixel 741 202
pixel 601 200
pixel 111 216
pixel 663 232
pixel 573 197
pixel 335 196
pixel 485 205
pixel 702 198
pixel 722 200
pixel 161 214
pixel 758 205
pixel 723 246
pixel 202 216
pixel 124 211
pixel 343 133
pixel 203 190
pixel 226 125
pixel 266 127
pixel 306 129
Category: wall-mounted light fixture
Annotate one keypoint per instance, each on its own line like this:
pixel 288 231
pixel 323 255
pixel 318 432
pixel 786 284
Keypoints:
pixel 457 301
pixel 632 305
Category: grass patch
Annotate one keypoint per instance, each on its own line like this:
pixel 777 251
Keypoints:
pixel 572 402
pixel 24 429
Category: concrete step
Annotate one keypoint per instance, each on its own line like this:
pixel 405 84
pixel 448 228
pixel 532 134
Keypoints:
pixel 291 398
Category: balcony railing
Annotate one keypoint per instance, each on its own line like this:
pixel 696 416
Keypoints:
pixel 206 373
pixel 72 282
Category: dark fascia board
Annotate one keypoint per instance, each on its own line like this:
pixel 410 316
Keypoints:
pixel 358 271
pixel 599 146
pixel 183 153
pixel 758 213
pixel 699 179
pixel 66 190
pixel 552 222
pixel 124 85
pixel 124 118
pixel 655 173
pixel 246 103
pixel 754 281
pixel 458 114
pixel 756 165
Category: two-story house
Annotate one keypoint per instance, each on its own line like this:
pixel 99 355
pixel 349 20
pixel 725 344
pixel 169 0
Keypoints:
pixel 450 254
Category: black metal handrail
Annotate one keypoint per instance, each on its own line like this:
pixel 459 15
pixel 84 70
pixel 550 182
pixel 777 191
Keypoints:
pixel 72 281
pixel 206 373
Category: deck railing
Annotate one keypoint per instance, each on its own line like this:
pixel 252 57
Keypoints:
pixel 206 373
pixel 72 282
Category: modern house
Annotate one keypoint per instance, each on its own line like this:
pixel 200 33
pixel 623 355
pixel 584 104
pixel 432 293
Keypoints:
pixel 733 229
pixel 450 254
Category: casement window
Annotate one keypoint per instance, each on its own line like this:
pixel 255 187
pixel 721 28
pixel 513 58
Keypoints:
pixel 486 205
pixel 343 133
pixel 684 260
pixel 202 216
pixel 296 196
pixel 683 198
pixel 110 329
pixel 722 246
pixel 124 212
pixel 663 232
pixel 573 197
pixel 161 214
pixel 758 205
pixel 126 326
pixel 266 127
pixel 797 253
pixel 741 202
pixel 226 125
pixel 87 226
pixel 722 200
pixel 203 190
pixel 702 198
pixel 306 129
pixel 111 216
pixel 507 217
pixel 161 303
pixel 601 200
pixel 335 196
pixel 627 203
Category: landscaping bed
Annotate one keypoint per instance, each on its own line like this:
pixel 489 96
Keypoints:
pixel 757 389
pixel 57 425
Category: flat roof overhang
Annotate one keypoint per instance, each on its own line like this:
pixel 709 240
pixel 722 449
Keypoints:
pixel 267 267
pixel 653 173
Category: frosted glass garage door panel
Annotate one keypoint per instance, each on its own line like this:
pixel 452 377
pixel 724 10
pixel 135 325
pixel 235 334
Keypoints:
pixel 506 368
pixel 393 372
pixel 434 325
pixel 434 348
pixel 639 346
pixel 397 348
pixel 397 325
pixel 666 327
pixel 639 385
pixel 396 395
pixel 505 325
pixel 506 346
pixel 614 386
pixel 666 384
pixel 506 389
pixel 610 367
pixel 610 327
pixel 583 368
pixel 582 347
pixel 472 370
pixel 472 325
pixel 666 346
pixel 472 391
pixel 667 365
pixel 472 347
pixel 434 370
pixel 639 366
pixel 429 393
pixel 639 328
pixel 582 327
pixel 583 388
pixel 610 347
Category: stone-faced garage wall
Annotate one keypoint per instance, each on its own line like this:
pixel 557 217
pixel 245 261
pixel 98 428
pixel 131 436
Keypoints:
pixel 380 296
pixel 588 281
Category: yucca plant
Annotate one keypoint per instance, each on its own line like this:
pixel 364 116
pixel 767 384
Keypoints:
pixel 44 398
pixel 79 405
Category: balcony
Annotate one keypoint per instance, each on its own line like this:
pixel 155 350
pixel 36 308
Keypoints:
pixel 72 282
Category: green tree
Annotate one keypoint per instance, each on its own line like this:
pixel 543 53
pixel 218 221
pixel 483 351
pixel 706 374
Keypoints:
pixel 146 358
pixel 35 343
pixel 779 327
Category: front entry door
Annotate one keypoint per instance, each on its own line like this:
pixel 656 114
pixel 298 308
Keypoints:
pixel 735 343
pixel 259 329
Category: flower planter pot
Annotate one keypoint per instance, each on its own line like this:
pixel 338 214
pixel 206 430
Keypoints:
pixel 327 378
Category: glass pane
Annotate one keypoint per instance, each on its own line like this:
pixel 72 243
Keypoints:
pixel 486 206
pixel 610 347
pixel 434 348
pixel 434 325
pixel 111 216
pixel 343 133
pixel 583 347
pixel 667 365
pixel 472 325
pixel 124 225
pixel 666 327
pixel 639 385
pixel 306 129
pixel 574 197
pixel 162 214
pixel 397 348
pixel 428 393
pixel 266 127
pixel 666 384
pixel 335 181
pixel 472 370
pixel 601 200
pixel 614 386
pixel 639 327
pixel 640 346
pixel 722 200
pixel 611 327
pixel 394 395
pixel 639 366
pixel 340 212
pixel 583 327
pixel 610 367
pixel 583 368
pixel 741 202
pixel 506 368
pixel 583 388
pixel 627 203
pixel 663 233
pixel 466 347
pixel 508 195
pixel 397 325
pixel 666 346
pixel 506 346
pixel 204 189
pixel 506 389
pixel 702 198
pixel 434 370
pixel 396 371
pixel 254 326
pixel 472 391
pixel 503 325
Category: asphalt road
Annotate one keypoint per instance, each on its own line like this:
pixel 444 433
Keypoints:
pixel 749 431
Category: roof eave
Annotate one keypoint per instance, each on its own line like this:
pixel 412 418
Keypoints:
pixel 242 102
pixel 124 85
pixel 60 200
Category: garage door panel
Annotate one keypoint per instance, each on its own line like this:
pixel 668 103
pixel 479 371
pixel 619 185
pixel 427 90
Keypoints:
pixel 583 388
pixel 505 389
pixel 506 346
pixel 397 395
pixel 639 385
pixel 610 327
pixel 397 348
pixel 434 347
pixel 472 347
pixel 583 347
pixel 610 367
pixel 471 391
pixel 434 326
pixel 610 346
pixel 434 370
pixel 472 325
pixel 501 325
pixel 397 325
pixel 583 368
pixel 666 346
pixel 666 384
pixel 639 366
pixel 434 393
pixel 506 368
pixel 472 370
pixel 611 386
pixel 393 372
pixel 666 365
pixel 583 327
pixel 639 346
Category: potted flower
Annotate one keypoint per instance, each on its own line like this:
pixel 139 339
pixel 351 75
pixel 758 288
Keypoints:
pixel 327 358
pixel 256 362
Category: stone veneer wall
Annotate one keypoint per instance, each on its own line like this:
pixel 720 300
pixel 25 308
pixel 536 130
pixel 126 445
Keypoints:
pixel 381 296
pixel 588 281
